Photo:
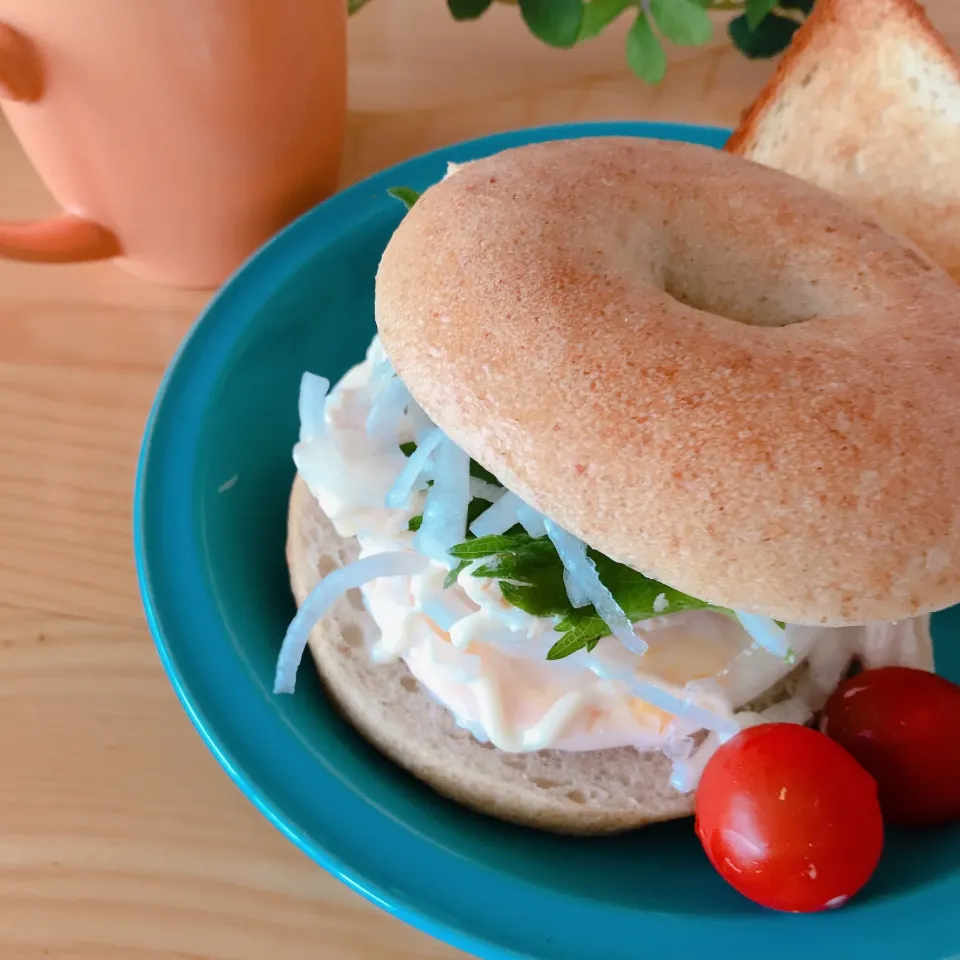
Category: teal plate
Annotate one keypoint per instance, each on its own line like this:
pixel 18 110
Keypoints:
pixel 209 527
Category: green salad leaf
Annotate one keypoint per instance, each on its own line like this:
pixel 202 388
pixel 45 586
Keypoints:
pixel 530 574
pixel 405 195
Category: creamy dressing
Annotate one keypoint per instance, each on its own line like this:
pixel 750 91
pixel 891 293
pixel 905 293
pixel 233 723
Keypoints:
pixel 485 660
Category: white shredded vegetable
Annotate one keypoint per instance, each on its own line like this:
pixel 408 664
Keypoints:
pixel 387 410
pixel 765 633
pixel 531 521
pixel 498 518
pixel 679 749
pixel 792 710
pixel 313 402
pixel 485 490
pixel 445 509
pixel 332 586
pixel 399 494
pixel 573 555
pixel 575 592
pixel 826 665
pixel 686 773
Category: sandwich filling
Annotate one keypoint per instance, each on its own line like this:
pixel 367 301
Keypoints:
pixel 532 640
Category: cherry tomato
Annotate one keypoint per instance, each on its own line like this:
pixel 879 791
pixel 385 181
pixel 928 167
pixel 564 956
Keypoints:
pixel 789 818
pixel 902 726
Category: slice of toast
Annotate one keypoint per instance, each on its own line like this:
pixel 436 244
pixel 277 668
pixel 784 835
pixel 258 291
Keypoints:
pixel 866 102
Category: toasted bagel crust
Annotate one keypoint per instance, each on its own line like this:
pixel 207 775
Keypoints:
pixel 707 369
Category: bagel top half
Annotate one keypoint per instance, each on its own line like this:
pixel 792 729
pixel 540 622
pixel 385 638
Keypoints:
pixel 706 369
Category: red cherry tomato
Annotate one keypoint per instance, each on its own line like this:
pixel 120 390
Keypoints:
pixel 789 818
pixel 902 726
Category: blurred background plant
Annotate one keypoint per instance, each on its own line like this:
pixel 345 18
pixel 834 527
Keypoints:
pixel 762 28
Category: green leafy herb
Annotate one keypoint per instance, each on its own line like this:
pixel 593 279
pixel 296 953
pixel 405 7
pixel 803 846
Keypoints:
pixel 468 9
pixel 582 628
pixel 682 21
pixel 645 56
pixel 530 575
pixel 451 577
pixel 556 22
pixel 772 35
pixel 408 448
pixel 757 10
pixel 790 656
pixel 597 14
pixel 480 548
pixel 405 195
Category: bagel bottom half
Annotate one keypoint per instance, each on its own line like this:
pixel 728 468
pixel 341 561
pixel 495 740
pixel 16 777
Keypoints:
pixel 592 792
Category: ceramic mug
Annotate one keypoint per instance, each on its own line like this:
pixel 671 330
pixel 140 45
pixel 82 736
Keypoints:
pixel 177 135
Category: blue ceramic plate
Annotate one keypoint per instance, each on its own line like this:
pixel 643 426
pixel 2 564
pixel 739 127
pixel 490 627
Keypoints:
pixel 210 524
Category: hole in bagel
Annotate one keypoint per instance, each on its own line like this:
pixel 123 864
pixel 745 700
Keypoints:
pixel 757 302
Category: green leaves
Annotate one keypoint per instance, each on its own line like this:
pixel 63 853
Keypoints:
pixel 772 35
pixel 645 56
pixel 530 575
pixel 598 14
pixel 468 9
pixel 405 195
pixel 683 22
pixel 757 10
pixel 767 27
pixel 482 547
pixel 764 28
pixel 556 22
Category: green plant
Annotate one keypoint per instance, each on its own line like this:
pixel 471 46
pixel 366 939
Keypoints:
pixel 762 28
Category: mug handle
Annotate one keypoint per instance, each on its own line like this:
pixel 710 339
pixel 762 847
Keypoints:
pixel 63 239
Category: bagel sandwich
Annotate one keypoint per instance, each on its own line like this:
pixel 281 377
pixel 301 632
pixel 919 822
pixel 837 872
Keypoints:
pixel 628 467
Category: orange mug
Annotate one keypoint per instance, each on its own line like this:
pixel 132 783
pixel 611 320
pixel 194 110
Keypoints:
pixel 177 135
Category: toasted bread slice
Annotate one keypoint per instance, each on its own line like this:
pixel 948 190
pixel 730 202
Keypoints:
pixel 866 102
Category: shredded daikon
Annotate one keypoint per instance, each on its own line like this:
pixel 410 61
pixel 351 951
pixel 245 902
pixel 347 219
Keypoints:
pixel 399 494
pixel 387 410
pixel 573 555
pixel 498 518
pixel 765 633
pixel 686 773
pixel 332 586
pixel 827 663
pixel 575 592
pixel 445 509
pixel 485 490
pixel 313 402
pixel 531 521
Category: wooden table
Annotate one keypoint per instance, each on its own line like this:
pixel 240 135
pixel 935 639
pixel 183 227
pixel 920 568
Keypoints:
pixel 120 837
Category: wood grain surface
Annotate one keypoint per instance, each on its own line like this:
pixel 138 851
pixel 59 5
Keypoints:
pixel 120 837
